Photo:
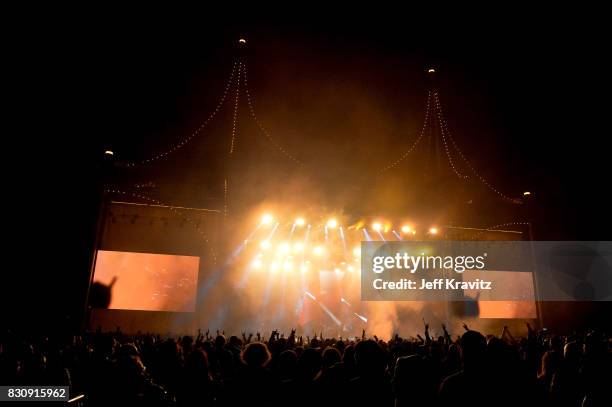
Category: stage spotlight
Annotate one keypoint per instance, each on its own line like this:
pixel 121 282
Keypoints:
pixel 433 230
pixel 257 263
pixel 350 268
pixel 526 193
pixel 298 247
pixel 109 152
pixel 242 41
pixel 287 266
pixel 283 248
pixel 357 251
pixel 317 251
pixel 431 70
pixel 267 219
pixel 406 229
pixel 337 270
pixel 332 223
pixel 377 226
pixel 304 268
pixel 274 267
pixel 300 221
pixel 265 245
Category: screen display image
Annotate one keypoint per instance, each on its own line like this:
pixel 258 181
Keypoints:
pixel 147 281
pixel 520 283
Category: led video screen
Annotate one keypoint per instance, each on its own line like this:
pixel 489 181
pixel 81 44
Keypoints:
pixel 520 282
pixel 147 281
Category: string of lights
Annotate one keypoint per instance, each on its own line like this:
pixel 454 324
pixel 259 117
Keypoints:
pixel 416 142
pixel 172 208
pixel 260 125
pixel 225 198
pixel 196 132
pixel 443 130
pixel 465 160
pixel 236 104
pixel 501 225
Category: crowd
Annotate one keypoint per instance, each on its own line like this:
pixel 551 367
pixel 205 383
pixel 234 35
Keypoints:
pixel 113 369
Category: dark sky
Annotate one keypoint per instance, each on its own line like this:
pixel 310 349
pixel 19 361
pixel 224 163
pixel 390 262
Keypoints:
pixel 522 97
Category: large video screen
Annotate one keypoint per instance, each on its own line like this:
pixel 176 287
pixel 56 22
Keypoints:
pixel 511 281
pixel 147 281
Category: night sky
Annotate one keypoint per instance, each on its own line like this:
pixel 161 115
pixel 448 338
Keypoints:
pixel 521 99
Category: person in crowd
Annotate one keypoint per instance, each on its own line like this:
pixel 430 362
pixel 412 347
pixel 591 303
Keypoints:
pixel 113 368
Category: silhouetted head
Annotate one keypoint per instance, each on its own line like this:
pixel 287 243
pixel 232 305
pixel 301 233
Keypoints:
pixel 407 368
pixel 256 354
pixel 550 362
pixel 197 363
pixel 369 358
pixel 571 353
pixel 309 363
pixel 331 356
pixel 473 348
pixel 348 357
pixel 287 364
pixel 220 341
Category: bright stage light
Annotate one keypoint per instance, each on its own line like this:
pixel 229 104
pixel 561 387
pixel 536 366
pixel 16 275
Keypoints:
pixel 526 193
pixel 267 219
pixel 377 226
pixel 283 248
pixel 317 251
pixel 414 232
pixel 350 268
pixel 265 245
pixel 257 263
pixel 357 251
pixel 337 270
pixel 287 266
pixel 274 267
pixel 332 223
pixel 298 247
pixel 242 41
pixel 300 221
pixel 109 152
pixel 406 229
pixel 433 230
pixel 304 268
pixel 431 70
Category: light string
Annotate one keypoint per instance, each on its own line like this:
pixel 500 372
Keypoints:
pixel 196 132
pixel 260 125
pixel 416 142
pixel 465 160
pixel 172 208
